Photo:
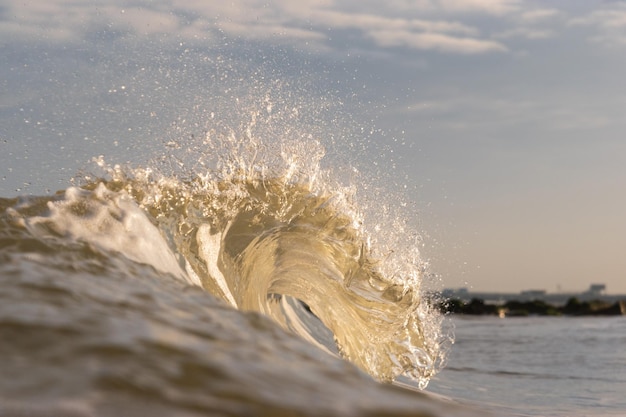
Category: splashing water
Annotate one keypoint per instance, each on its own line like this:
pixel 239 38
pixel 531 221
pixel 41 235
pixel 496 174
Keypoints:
pixel 263 227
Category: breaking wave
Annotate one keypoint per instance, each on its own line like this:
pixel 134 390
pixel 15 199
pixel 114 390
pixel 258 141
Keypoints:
pixel 266 229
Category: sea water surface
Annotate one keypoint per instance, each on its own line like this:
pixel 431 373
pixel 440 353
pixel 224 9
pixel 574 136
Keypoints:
pixel 538 366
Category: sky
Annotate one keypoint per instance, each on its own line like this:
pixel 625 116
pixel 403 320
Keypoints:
pixel 503 119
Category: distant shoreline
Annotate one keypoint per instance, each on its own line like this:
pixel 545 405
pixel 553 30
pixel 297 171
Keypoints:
pixel 523 308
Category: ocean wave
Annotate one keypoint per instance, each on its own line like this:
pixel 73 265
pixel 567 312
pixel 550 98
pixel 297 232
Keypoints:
pixel 284 240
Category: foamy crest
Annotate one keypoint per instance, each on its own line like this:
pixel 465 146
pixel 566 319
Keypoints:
pixel 110 221
pixel 267 229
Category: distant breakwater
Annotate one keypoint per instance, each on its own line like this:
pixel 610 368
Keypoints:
pixel 517 308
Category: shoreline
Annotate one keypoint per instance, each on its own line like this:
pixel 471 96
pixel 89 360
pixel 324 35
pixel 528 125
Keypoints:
pixel 518 308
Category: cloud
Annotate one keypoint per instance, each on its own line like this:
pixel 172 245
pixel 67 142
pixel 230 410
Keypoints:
pixel 476 110
pixel 427 25
pixel 609 25
pixel 435 41
pixel 42 20
pixel 271 31
pixel 496 7
pixel 608 18
pixel 367 22
pixel 539 14
pixel 525 32
pixel 419 7
pixel 419 34
pixel 147 22
pixel 531 25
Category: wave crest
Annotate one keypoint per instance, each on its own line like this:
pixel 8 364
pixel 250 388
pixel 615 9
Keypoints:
pixel 290 243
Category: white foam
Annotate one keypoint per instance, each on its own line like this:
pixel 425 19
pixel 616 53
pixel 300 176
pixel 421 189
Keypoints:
pixel 111 221
pixel 209 248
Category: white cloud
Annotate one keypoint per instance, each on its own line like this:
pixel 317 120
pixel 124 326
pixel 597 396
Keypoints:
pixel 539 14
pixel 496 7
pixel 431 25
pixel 43 20
pixel 366 22
pixel 270 31
pixel 421 7
pixel 435 41
pixel 609 25
pixel 524 32
pixel 611 18
pixel 148 22
pixel 419 34
pixel 532 24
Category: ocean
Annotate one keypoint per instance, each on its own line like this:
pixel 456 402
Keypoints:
pixel 538 366
pixel 247 284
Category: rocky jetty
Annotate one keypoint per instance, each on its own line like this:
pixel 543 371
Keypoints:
pixel 513 308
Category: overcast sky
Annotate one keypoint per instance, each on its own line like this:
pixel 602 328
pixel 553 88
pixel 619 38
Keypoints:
pixel 504 118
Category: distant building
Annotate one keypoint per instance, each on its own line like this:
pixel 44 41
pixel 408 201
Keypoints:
pixel 596 289
pixel 456 293
pixel 533 293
